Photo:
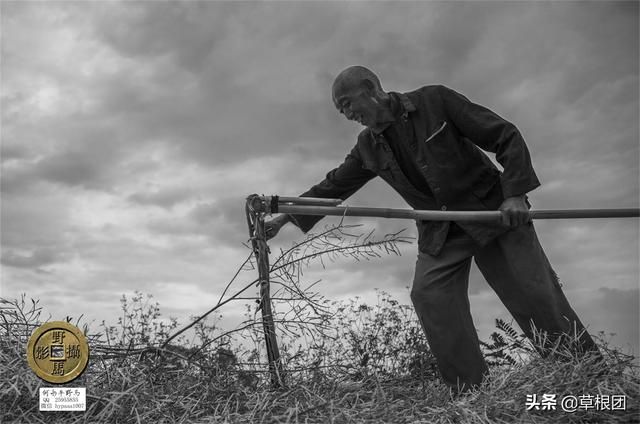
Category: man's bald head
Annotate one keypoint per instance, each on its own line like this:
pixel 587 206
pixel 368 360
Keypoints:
pixel 358 95
pixel 355 77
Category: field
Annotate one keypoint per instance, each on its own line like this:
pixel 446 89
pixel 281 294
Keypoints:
pixel 343 363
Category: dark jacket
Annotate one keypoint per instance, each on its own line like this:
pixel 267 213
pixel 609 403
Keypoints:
pixel 449 129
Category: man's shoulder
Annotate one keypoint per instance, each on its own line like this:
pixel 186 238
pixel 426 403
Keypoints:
pixel 430 88
pixel 428 91
pixel 427 100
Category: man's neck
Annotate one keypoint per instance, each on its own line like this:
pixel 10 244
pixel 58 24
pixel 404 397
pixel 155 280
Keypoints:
pixel 386 115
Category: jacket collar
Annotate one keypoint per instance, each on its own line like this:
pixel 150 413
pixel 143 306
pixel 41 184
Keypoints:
pixel 406 104
pixel 402 105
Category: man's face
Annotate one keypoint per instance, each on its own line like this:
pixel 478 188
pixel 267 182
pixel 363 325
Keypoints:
pixel 357 104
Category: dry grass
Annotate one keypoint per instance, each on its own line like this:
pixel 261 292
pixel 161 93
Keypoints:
pixel 339 380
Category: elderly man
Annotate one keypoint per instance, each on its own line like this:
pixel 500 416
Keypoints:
pixel 426 145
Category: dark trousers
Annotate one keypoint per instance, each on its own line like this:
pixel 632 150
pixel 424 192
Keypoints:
pixel 517 269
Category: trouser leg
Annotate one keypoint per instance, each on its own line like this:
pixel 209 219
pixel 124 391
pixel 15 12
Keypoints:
pixel 439 295
pixel 517 269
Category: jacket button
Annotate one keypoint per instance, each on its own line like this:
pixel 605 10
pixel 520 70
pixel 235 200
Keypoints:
pixel 444 208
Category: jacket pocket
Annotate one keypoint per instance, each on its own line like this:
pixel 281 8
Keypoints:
pixel 436 132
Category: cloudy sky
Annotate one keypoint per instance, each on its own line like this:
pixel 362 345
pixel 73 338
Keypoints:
pixel 132 133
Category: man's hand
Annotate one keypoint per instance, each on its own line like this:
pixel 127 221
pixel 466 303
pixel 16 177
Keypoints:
pixel 515 211
pixel 272 227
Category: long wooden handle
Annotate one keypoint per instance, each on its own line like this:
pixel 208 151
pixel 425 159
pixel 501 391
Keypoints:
pixel 318 201
pixel 585 213
pixel 469 216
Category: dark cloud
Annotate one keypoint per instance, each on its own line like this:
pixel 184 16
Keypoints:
pixel 605 25
pixel 16 178
pixel 13 152
pixel 132 133
pixel 186 30
pixel 85 157
pixel 221 222
pixel 615 312
pixel 73 168
pixel 167 197
pixel 623 307
pixel 35 259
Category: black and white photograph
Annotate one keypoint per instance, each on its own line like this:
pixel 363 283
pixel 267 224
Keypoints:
pixel 319 211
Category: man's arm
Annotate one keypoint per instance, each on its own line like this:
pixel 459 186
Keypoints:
pixel 340 182
pixel 494 134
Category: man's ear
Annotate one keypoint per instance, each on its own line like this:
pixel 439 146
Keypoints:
pixel 369 86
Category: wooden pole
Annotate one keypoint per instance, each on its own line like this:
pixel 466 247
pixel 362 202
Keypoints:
pixel 307 201
pixel 255 221
pixel 469 216
pixel 585 213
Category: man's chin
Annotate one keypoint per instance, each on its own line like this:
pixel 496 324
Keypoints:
pixel 365 124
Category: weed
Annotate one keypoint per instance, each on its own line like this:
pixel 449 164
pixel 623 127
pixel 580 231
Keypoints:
pixel 346 362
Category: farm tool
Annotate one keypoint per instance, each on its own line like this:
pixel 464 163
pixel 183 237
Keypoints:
pixel 259 206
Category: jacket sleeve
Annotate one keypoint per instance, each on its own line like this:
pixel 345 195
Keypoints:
pixel 340 182
pixel 494 134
